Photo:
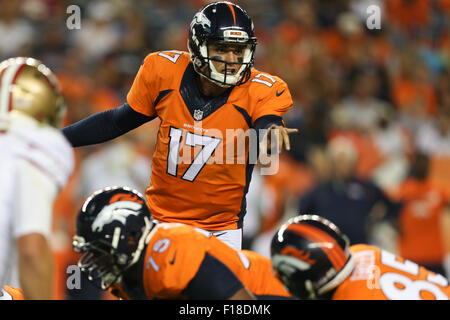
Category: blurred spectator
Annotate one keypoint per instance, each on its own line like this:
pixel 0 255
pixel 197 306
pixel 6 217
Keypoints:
pixel 359 7
pixel 166 14
pixel 99 34
pixel 394 143
pixel 259 200
pixel 353 203
pixel 280 193
pixel 409 15
pixel 134 36
pixel 292 179
pixel 424 220
pixel 433 136
pixel 443 89
pixel 361 110
pixel 308 115
pixel 413 93
pixel 17 33
pixel 107 79
pixel 296 40
pixel 75 85
pixel 117 163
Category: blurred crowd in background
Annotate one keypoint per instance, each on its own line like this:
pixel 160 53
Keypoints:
pixel 372 108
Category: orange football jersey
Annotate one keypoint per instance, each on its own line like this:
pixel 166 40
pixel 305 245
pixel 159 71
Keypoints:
pixel 11 293
pixel 419 221
pixel 381 275
pixel 202 163
pixel 176 251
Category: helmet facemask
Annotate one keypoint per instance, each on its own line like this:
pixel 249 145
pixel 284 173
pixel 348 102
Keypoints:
pixel 100 263
pixel 106 261
pixel 223 77
pixel 244 64
pixel 293 274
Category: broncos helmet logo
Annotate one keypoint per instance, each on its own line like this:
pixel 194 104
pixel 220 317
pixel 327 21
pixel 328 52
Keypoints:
pixel 118 211
pixel 201 19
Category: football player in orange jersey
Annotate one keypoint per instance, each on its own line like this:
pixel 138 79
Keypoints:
pixel 424 221
pixel 211 102
pixel 125 248
pixel 314 260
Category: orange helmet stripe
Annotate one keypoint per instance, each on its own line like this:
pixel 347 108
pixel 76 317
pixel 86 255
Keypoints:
pixel 336 255
pixel 125 197
pixel 232 11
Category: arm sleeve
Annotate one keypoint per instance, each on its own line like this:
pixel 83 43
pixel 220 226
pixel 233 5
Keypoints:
pixel 213 281
pixel 266 121
pixel 104 126
pixel 271 107
pixel 262 125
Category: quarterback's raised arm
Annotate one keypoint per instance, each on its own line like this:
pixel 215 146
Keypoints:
pixel 104 126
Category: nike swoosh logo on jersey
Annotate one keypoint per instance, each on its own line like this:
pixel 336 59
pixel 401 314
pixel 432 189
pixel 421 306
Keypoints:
pixel 173 259
pixel 279 93
pixel 219 234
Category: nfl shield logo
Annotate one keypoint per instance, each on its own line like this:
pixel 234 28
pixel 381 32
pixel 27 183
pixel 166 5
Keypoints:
pixel 198 115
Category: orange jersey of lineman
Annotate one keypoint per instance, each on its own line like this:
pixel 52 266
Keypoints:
pixel 176 251
pixel 200 173
pixel 419 221
pixel 11 293
pixel 380 275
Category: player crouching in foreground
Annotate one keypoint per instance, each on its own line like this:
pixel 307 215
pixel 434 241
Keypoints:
pixel 126 250
pixel 314 260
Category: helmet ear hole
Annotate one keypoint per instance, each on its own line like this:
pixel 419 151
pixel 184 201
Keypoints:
pixel 131 238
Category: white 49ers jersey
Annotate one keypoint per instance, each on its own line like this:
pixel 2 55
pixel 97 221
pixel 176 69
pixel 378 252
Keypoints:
pixel 35 163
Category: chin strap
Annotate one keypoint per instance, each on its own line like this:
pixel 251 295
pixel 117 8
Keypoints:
pixel 142 241
pixel 105 284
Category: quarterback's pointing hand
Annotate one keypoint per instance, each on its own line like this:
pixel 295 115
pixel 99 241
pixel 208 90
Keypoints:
pixel 281 134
